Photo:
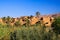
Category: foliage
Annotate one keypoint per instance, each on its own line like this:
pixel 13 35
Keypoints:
pixel 35 32
pixel 37 14
pixel 56 25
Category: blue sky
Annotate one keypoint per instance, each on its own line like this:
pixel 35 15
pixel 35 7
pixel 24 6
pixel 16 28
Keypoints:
pixel 17 8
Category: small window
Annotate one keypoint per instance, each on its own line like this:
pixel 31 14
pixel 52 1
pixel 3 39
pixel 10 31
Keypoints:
pixel 50 19
pixel 46 23
pixel 41 18
pixel 28 17
pixel 23 20
pixel 6 22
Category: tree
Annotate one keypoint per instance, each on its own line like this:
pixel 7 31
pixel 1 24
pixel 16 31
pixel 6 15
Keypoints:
pixel 17 23
pixel 37 14
pixel 8 19
pixel 56 26
pixel 4 19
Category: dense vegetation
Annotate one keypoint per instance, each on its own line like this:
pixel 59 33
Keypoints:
pixel 35 32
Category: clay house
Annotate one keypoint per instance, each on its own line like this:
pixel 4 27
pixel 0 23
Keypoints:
pixel 46 20
pixel 33 20
pixel 23 20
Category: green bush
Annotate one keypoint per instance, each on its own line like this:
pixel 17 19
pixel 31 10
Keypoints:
pixel 35 32
pixel 56 25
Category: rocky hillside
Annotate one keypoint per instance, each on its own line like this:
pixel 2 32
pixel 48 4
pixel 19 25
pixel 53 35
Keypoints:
pixel 56 15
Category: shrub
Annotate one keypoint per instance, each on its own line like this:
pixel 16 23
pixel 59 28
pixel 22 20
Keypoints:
pixel 35 32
